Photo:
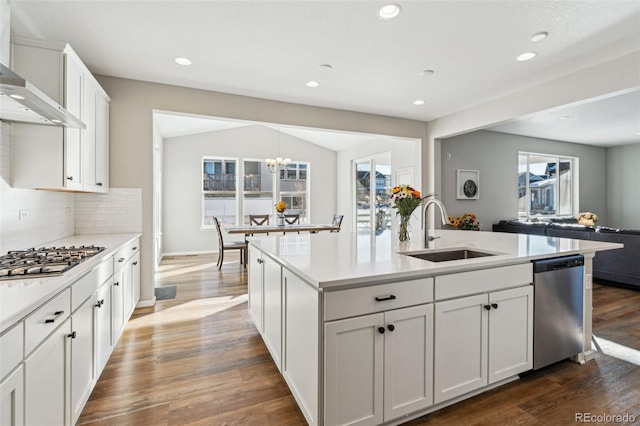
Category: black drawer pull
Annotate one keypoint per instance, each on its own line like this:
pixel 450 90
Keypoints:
pixel 494 305
pixel 381 330
pixel 121 259
pixel 135 263
pixel 99 183
pixel 117 283
pixel 100 303
pixel 135 248
pixel 391 327
pixel 487 307
pixel 382 299
pixel 55 316
pixel 72 335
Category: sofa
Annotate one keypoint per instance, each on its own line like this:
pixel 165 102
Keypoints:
pixel 619 267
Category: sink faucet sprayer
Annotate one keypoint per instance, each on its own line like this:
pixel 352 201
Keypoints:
pixel 443 214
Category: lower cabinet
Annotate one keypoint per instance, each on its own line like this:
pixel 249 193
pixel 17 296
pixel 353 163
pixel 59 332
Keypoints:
pixel 378 367
pixel 254 265
pixel 12 399
pixel 272 303
pixel 117 305
pixel 82 359
pixel 482 339
pixel 103 309
pixel 46 380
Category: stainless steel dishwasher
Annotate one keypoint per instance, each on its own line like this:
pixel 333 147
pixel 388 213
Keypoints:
pixel 558 309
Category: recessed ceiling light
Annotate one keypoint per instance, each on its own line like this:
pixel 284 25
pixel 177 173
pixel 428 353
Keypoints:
pixel 426 73
pixel 313 83
pixel 183 61
pixel 418 102
pixel 325 67
pixel 564 117
pixel 539 36
pixel 526 56
pixel 389 11
pixel 14 96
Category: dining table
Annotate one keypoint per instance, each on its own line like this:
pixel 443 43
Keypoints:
pixel 312 228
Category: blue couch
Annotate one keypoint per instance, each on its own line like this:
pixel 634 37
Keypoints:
pixel 616 267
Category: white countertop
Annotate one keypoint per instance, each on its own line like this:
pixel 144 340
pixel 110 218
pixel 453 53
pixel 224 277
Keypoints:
pixel 18 297
pixel 333 260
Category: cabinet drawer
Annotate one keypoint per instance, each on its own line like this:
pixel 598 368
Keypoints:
pixel 46 319
pixel 485 280
pixel 11 344
pixel 125 254
pixel 362 300
pixel 87 285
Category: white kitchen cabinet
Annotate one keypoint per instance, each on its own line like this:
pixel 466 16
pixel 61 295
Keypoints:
pixel 482 339
pixel 103 309
pixel 378 367
pixel 131 285
pixel 265 301
pixel 82 359
pixel 12 399
pixel 117 304
pixel 47 378
pixel 48 157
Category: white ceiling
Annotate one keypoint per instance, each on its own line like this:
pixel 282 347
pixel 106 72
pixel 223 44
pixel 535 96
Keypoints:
pixel 269 49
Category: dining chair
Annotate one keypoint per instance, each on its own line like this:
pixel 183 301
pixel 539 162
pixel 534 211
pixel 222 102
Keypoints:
pixel 292 219
pixel 337 220
pixel 258 219
pixel 231 245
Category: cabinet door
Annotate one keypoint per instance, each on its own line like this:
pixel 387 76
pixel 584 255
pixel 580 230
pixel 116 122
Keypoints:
pixel 103 311
pixel 408 360
pixel 117 304
pixel 272 287
pixel 73 88
pixel 12 399
pixel 89 134
pixel 83 368
pixel 102 144
pixel 46 380
pixel 460 344
pixel 354 350
pixel 255 287
pixel 510 332
pixel 135 280
pixel 127 289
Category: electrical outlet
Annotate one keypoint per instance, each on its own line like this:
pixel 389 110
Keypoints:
pixel 448 156
pixel 23 214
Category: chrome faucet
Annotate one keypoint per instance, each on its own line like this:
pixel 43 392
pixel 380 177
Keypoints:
pixel 443 214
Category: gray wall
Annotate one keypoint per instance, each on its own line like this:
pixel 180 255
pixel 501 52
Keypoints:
pixel 495 155
pixel 131 135
pixel 183 178
pixel 623 193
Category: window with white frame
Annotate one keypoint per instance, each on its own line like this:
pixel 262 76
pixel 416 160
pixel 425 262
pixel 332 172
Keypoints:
pixel 546 185
pixel 294 189
pixel 219 190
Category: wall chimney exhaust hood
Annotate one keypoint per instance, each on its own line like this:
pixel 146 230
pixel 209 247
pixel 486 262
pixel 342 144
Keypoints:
pixel 21 102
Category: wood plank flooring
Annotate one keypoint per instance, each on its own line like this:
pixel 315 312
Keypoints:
pixel 198 359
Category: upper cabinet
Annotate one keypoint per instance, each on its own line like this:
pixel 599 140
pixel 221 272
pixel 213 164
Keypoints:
pixel 56 158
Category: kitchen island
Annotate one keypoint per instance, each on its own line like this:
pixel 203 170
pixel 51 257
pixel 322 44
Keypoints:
pixel 365 334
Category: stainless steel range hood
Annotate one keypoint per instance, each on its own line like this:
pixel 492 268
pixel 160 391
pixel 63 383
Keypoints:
pixel 22 102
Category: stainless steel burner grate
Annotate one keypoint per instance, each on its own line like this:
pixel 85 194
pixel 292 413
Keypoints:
pixel 49 261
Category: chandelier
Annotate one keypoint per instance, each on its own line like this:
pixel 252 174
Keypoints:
pixel 275 164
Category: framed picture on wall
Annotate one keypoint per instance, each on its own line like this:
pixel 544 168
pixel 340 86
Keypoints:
pixel 468 184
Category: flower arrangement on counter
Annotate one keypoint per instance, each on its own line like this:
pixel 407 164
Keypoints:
pixel 587 218
pixel 405 200
pixel 281 206
pixel 466 222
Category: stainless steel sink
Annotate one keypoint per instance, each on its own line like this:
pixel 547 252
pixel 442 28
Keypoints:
pixel 445 256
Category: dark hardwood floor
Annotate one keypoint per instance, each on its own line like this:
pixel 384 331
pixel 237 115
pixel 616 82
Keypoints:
pixel 198 359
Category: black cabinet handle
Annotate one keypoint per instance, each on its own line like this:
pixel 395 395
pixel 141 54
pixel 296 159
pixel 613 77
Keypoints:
pixel 134 248
pixel 487 307
pixel 381 299
pixel 260 260
pixel 391 327
pixel 117 283
pixel 69 177
pixel 55 316
pixel 99 183
pixel 100 303
pixel 494 305
pixel 381 330
pixel 72 335
pixel 135 263
pixel 121 260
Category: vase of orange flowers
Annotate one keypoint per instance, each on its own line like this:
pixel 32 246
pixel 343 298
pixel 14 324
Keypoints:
pixel 281 207
pixel 405 200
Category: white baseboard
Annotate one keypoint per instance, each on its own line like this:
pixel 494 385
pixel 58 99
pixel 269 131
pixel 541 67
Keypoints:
pixel 146 303
pixel 189 253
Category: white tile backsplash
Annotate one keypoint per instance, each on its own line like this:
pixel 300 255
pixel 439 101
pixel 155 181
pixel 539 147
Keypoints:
pixel 30 218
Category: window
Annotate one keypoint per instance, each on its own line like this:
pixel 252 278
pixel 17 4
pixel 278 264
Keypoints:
pixel 294 189
pixel 546 185
pixel 257 189
pixel 219 190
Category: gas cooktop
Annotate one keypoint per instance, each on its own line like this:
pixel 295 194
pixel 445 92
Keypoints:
pixel 44 261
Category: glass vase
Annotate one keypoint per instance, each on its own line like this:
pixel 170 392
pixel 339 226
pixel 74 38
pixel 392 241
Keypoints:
pixel 280 219
pixel 404 228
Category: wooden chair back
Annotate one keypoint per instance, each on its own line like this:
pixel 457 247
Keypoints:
pixel 258 219
pixel 292 219
pixel 337 220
